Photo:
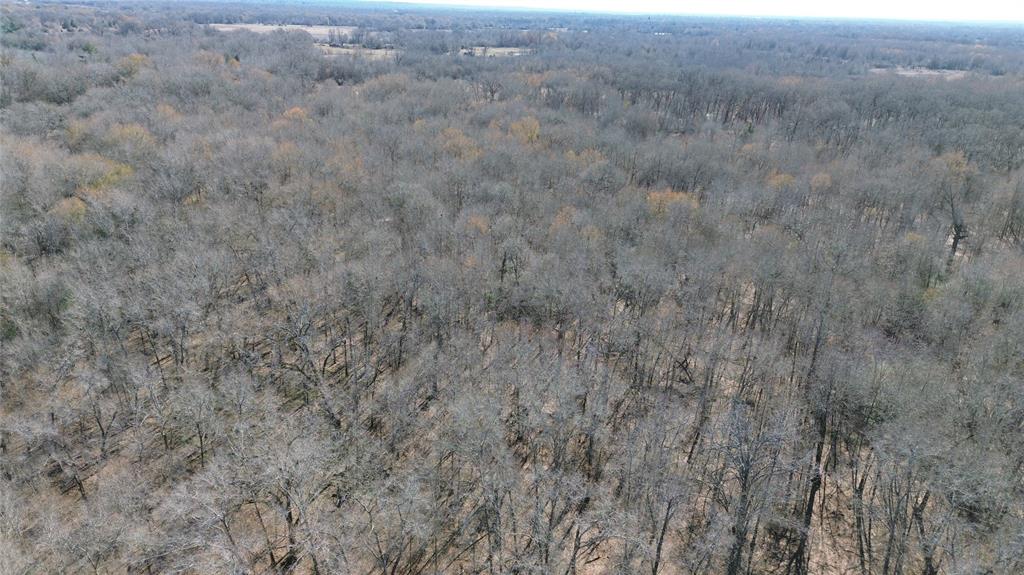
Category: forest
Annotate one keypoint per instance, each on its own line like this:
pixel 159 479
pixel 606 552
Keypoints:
pixel 341 289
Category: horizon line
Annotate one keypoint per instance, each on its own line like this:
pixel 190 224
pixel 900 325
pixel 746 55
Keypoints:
pixel 514 6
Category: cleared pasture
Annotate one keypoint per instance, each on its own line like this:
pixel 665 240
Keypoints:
pixel 317 32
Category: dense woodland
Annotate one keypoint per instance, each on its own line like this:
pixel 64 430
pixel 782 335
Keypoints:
pixel 654 295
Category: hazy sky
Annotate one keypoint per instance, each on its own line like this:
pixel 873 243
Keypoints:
pixel 957 10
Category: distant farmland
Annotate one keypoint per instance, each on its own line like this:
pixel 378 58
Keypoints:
pixel 320 33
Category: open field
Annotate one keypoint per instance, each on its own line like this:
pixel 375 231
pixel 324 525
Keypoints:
pixel 922 73
pixel 358 51
pixel 320 33
pixel 493 52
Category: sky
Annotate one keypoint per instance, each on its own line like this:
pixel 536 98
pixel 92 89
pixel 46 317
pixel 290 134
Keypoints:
pixel 942 10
